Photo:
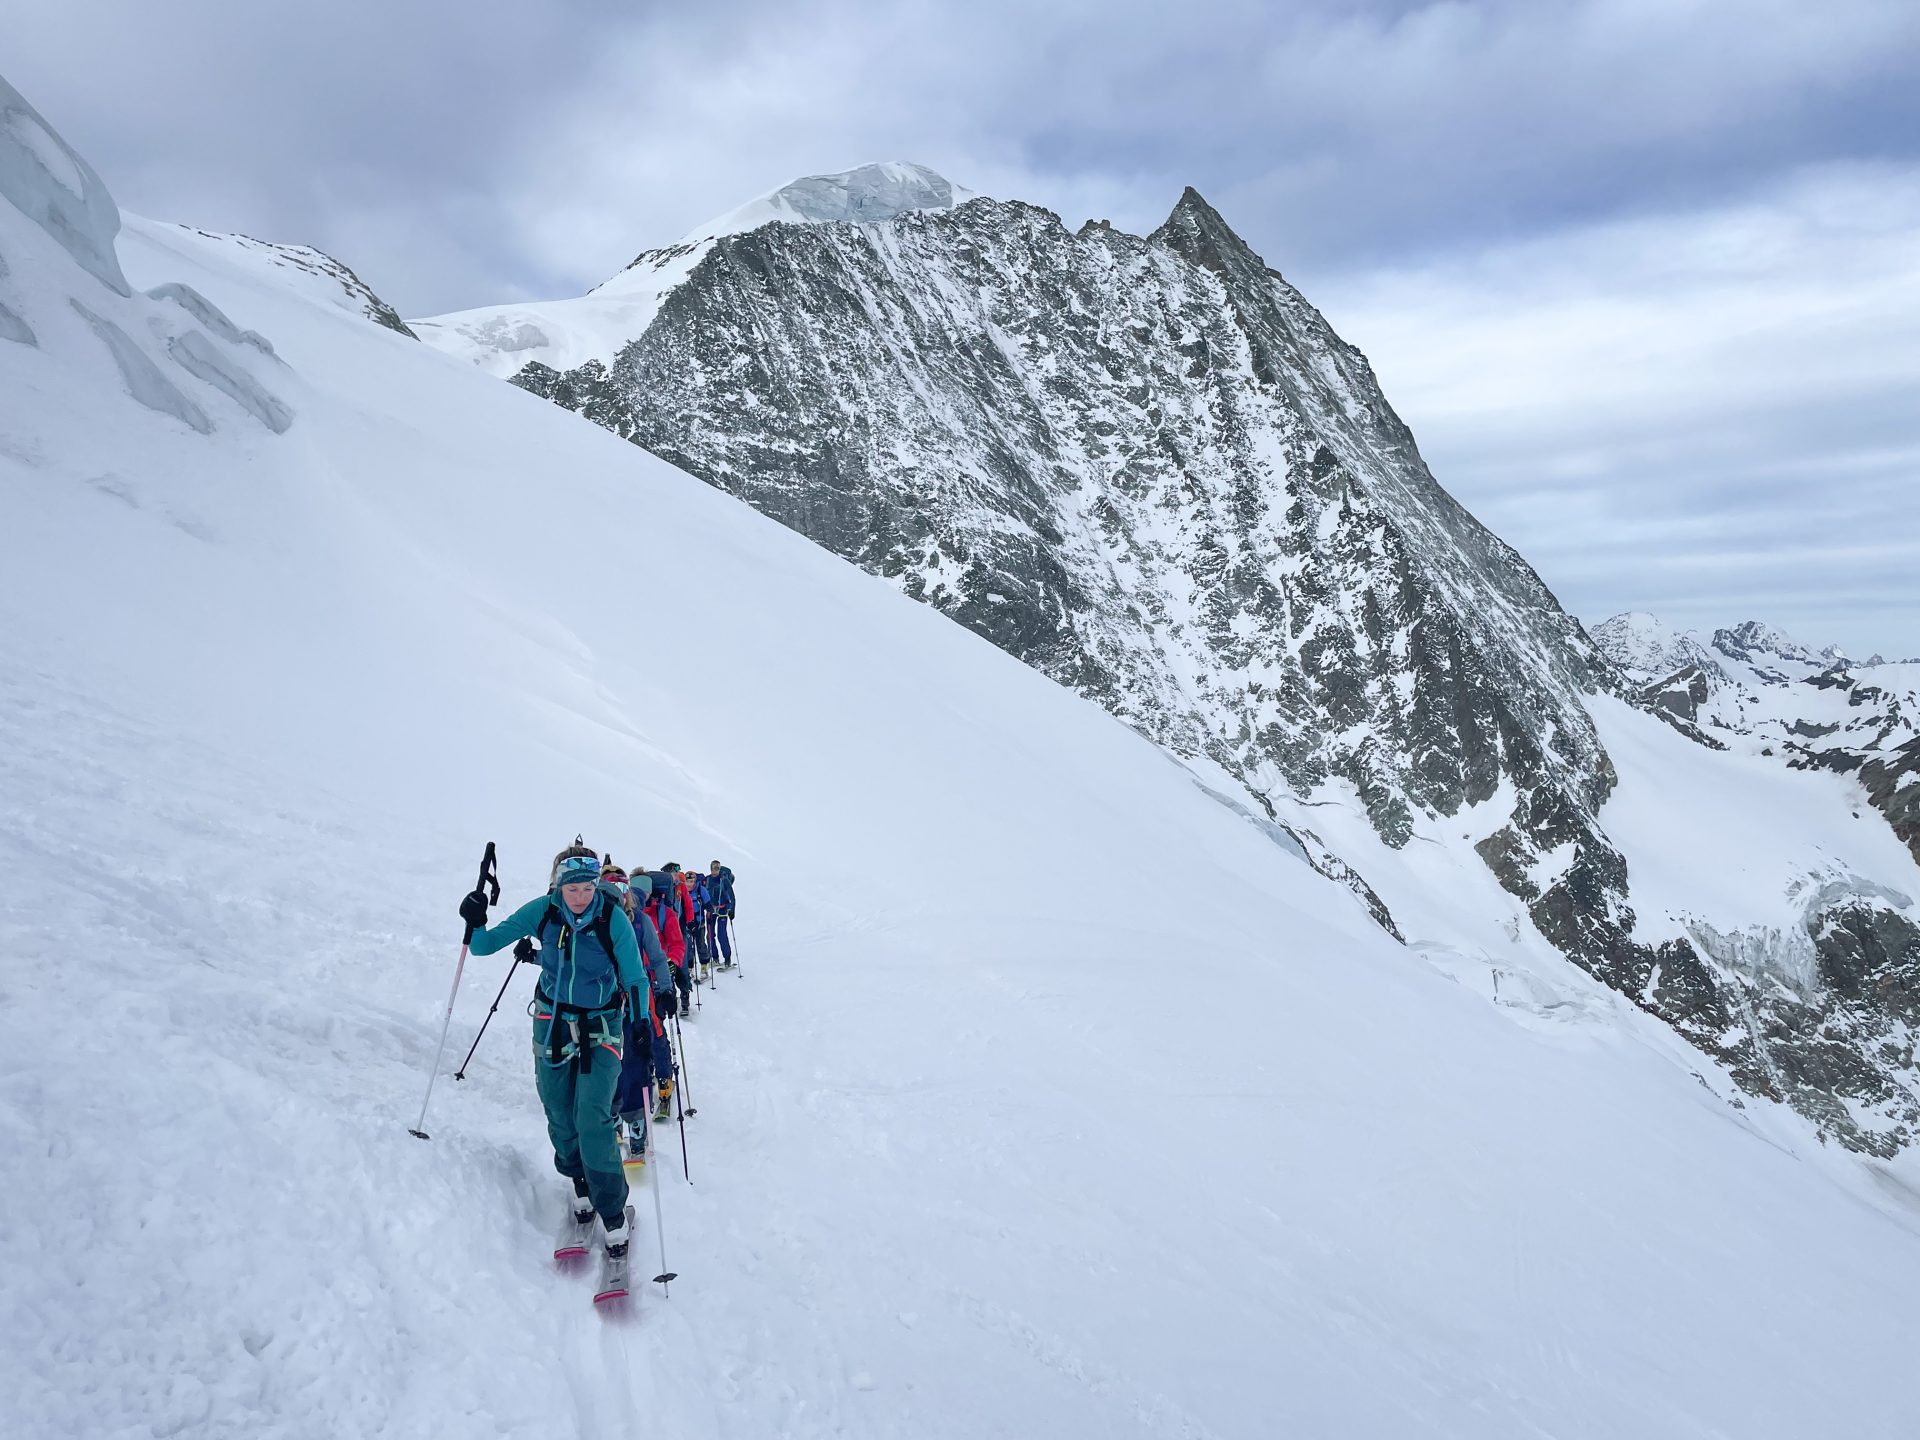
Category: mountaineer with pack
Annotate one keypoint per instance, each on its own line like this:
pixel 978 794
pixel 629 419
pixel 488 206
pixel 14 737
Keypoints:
pixel 693 893
pixel 591 971
pixel 649 1058
pixel 661 906
pixel 720 910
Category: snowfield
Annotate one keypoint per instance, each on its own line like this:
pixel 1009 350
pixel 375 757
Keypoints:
pixel 1055 1097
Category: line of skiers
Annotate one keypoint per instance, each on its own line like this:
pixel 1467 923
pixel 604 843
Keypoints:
pixel 619 955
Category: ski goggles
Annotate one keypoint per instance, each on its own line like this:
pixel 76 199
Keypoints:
pixel 579 870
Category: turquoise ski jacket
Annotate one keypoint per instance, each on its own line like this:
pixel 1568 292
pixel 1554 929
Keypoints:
pixel 576 969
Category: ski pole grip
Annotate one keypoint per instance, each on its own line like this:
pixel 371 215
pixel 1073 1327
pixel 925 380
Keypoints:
pixel 489 882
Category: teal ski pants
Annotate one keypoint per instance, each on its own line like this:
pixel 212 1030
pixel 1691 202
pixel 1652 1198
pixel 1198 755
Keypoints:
pixel 578 1099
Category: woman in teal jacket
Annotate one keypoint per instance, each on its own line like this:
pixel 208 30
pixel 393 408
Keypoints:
pixel 589 960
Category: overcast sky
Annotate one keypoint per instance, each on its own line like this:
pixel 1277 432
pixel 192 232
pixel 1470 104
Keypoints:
pixel 1643 275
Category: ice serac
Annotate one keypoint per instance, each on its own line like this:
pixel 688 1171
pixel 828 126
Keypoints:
pixel 863 195
pixel 1149 468
pixel 68 309
pixel 53 187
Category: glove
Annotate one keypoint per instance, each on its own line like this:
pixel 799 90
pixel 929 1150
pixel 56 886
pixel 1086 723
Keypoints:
pixel 473 909
pixel 668 1000
pixel 523 952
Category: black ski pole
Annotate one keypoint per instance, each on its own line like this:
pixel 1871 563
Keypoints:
pixel 659 1219
pixel 686 1172
pixel 680 1042
pixel 491 884
pixel 512 970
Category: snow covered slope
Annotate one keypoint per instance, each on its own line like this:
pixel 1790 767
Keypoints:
pixel 1056 1097
pixel 1755 689
pixel 315 272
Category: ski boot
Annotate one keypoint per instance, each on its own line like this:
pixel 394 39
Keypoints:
pixel 575 1231
pixel 613 1260
pixel 633 1150
pixel 663 1111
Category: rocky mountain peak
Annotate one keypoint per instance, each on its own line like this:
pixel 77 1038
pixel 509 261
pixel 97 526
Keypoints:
pixel 1752 637
pixel 1197 232
pixel 1646 648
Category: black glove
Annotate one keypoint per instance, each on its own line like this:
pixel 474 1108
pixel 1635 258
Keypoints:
pixel 473 909
pixel 523 952
pixel 668 1000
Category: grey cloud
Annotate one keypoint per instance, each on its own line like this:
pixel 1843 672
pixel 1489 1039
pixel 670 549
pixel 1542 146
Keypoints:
pixel 534 148
pixel 1583 240
pixel 1708 414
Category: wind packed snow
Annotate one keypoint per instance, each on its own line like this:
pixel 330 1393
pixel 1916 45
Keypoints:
pixel 1054 1098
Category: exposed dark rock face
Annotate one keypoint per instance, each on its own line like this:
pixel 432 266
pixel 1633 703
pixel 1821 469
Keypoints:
pixel 1892 782
pixel 1150 469
pixel 1681 693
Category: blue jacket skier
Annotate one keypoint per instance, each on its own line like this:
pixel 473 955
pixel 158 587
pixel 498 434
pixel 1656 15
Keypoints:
pixel 720 906
pixel 590 970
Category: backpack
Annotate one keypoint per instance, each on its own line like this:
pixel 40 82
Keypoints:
pixel 666 919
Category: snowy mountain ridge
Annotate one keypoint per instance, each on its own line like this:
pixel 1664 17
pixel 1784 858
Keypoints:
pixel 566 334
pixel 1150 469
pixel 326 276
